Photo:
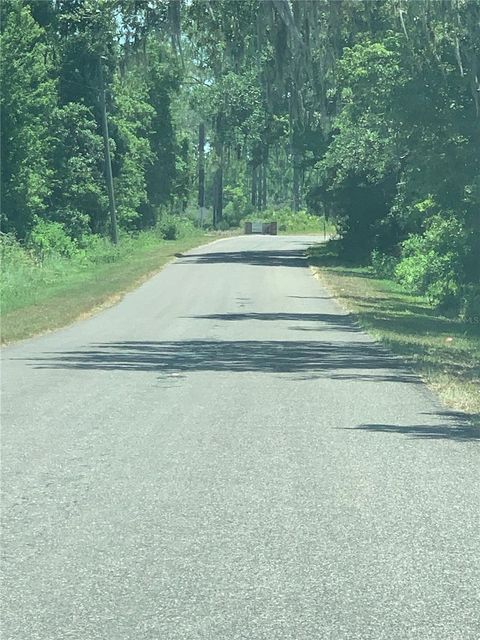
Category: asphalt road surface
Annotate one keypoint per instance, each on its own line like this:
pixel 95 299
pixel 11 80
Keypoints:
pixel 224 455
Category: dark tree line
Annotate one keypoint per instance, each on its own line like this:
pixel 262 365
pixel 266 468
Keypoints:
pixel 366 111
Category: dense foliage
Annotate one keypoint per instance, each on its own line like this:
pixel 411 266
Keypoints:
pixel 366 111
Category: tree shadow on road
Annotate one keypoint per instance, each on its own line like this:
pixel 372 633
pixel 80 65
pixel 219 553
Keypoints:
pixel 327 320
pixel 359 360
pixel 457 426
pixel 290 258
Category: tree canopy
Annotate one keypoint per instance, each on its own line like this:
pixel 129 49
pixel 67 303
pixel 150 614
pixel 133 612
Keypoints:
pixel 365 111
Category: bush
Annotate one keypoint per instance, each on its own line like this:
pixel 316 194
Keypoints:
pixel 231 218
pixel 95 249
pixel 169 229
pixel 357 202
pixel 413 269
pixel 383 264
pixel 20 270
pixel 299 221
pixel 12 252
pixel 49 239
pixel 432 263
pixel 237 207
pixel 470 311
pixel 224 225
pixel 175 227
pixel 290 221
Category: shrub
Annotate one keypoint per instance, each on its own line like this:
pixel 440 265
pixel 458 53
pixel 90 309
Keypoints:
pixel 49 239
pixel 20 270
pixel 290 221
pixel 237 207
pixel 96 249
pixel 413 269
pixel 230 217
pixel 432 263
pixel 12 252
pixel 224 225
pixel 169 229
pixel 384 265
pixel 299 221
pixel 470 311
pixel 175 227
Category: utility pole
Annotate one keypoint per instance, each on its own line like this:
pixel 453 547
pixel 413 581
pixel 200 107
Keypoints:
pixel 108 161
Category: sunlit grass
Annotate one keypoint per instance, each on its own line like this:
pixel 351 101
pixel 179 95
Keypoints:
pixel 41 296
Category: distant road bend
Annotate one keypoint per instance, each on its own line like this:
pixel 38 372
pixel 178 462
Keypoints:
pixel 224 455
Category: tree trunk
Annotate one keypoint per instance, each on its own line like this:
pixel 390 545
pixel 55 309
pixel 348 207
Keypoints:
pixel 254 186
pixel 108 161
pixel 264 185
pixel 296 180
pixel 220 191
pixel 259 186
pixel 201 165
pixel 218 196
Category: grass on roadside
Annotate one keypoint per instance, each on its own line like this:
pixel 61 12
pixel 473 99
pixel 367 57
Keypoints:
pixel 444 351
pixel 38 297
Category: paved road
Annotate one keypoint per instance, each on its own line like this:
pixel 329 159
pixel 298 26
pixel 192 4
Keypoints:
pixel 224 456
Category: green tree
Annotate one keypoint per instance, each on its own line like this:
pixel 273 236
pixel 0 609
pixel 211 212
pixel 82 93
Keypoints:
pixel 132 128
pixel 27 101
pixel 78 197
